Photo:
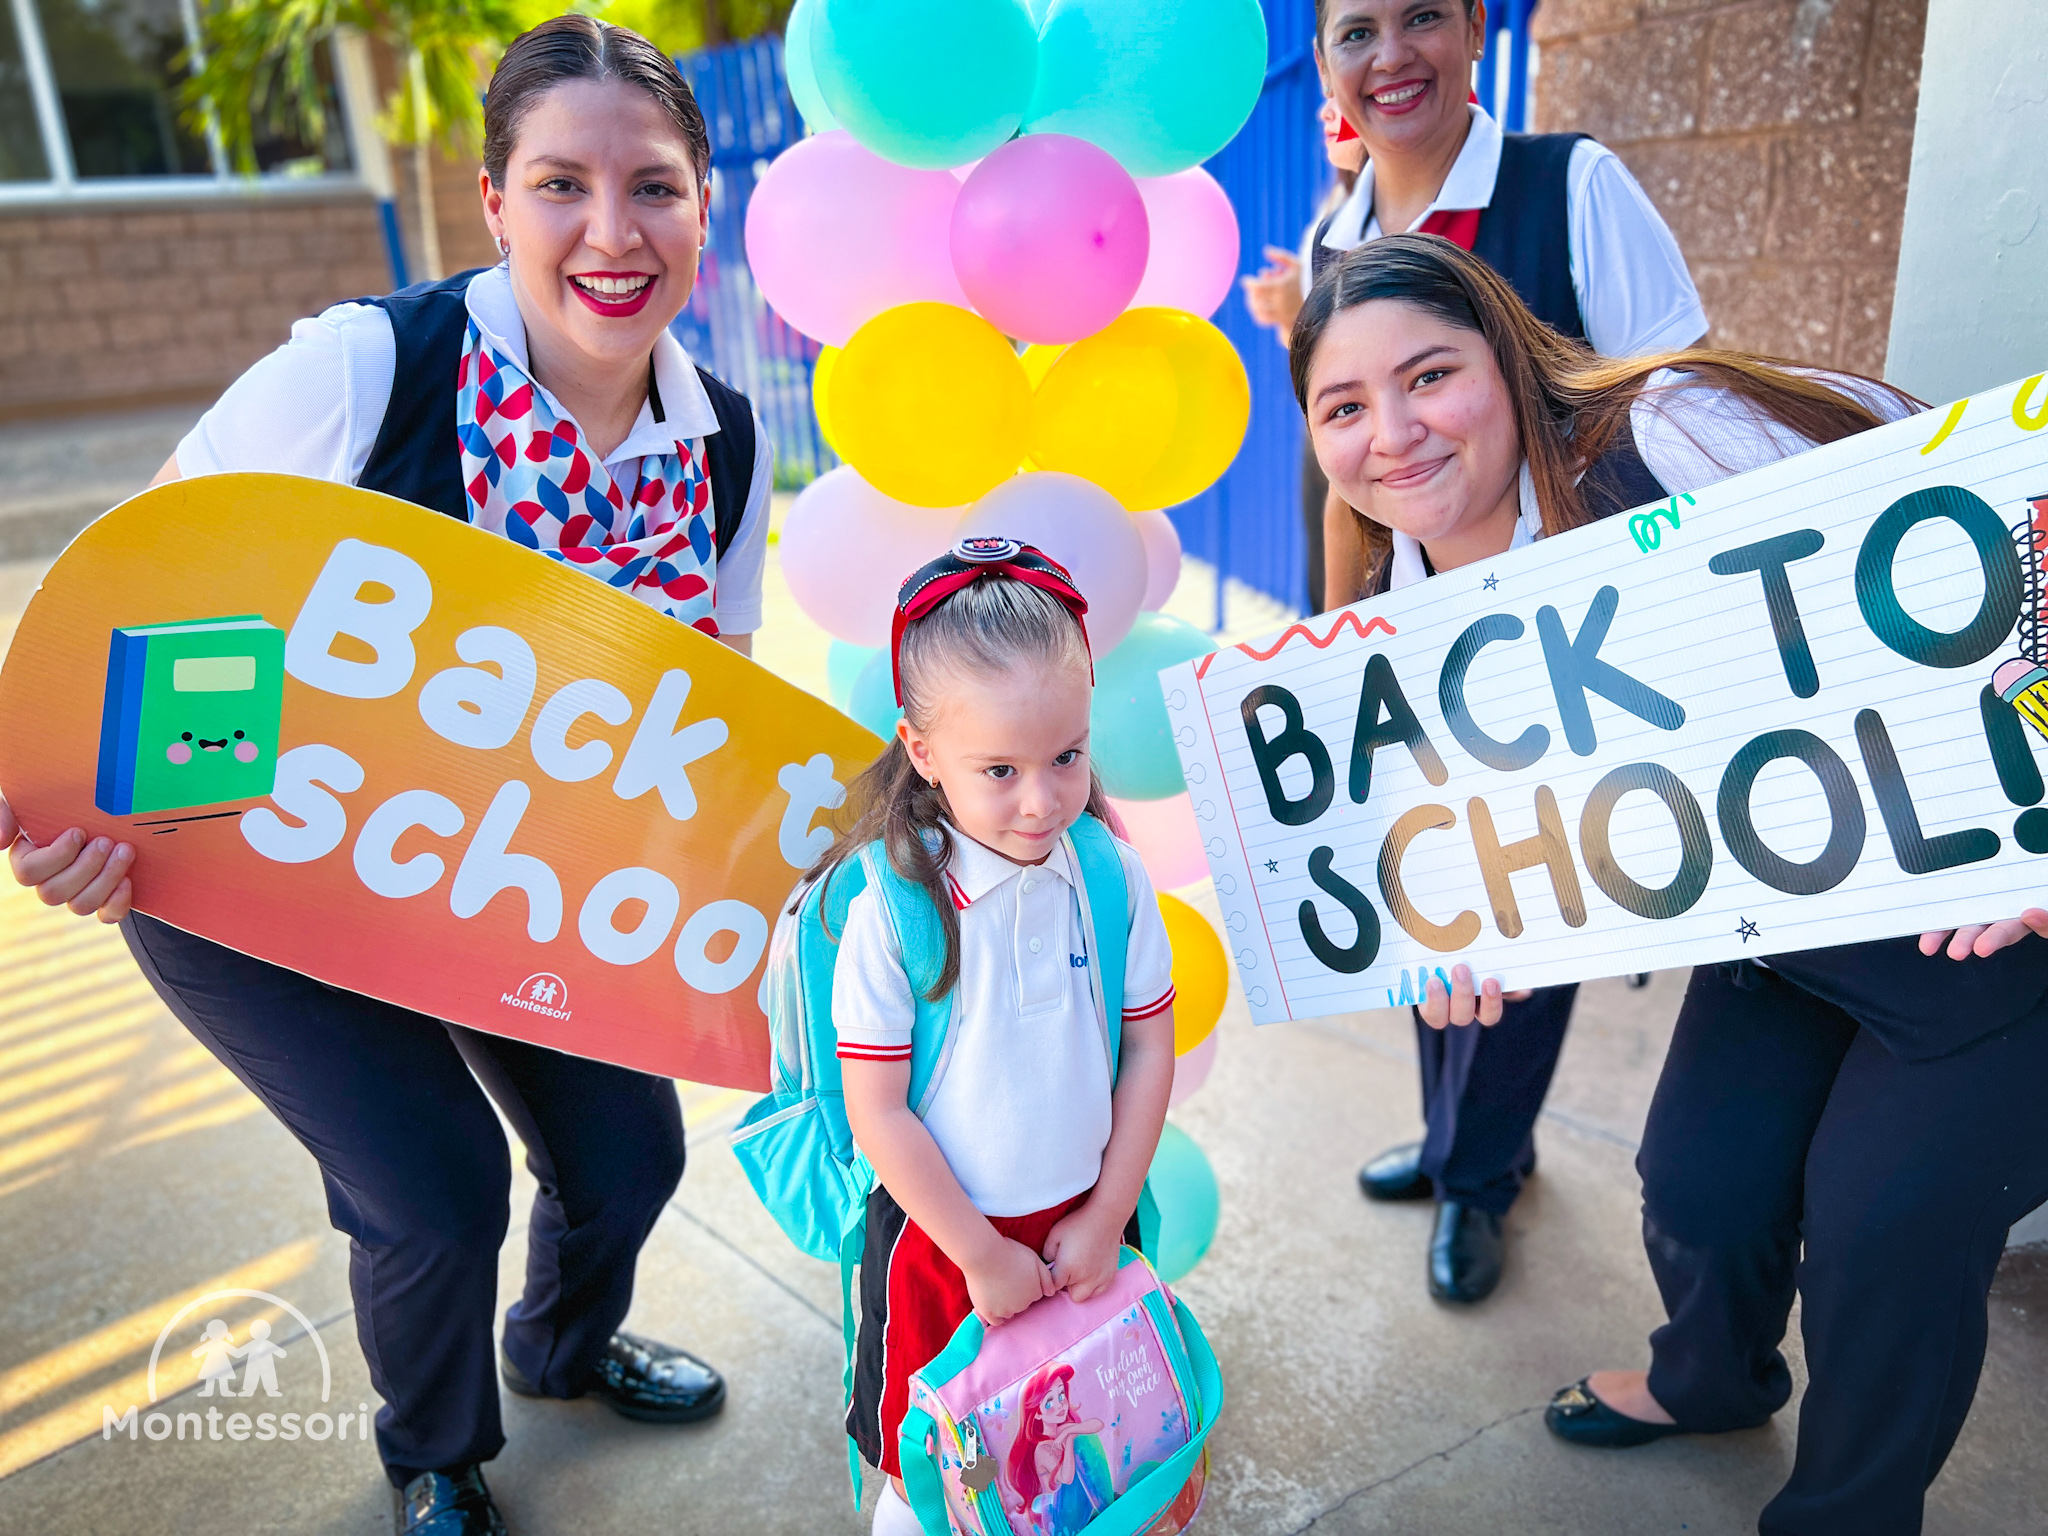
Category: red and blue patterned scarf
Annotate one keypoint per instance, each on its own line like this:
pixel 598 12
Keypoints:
pixel 530 478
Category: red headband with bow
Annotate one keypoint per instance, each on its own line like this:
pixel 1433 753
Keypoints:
pixel 966 563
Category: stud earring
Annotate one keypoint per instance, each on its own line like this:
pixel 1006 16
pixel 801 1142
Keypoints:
pixel 504 246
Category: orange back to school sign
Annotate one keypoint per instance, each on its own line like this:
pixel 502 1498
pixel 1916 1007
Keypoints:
pixel 411 759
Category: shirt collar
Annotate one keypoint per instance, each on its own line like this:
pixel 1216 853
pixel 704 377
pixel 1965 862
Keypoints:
pixel 685 405
pixel 1408 567
pixel 975 870
pixel 1469 185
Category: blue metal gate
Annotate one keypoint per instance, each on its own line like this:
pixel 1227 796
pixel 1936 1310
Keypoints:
pixel 728 326
pixel 1249 524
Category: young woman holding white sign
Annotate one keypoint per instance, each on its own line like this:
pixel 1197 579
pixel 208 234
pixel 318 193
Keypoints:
pixel 1562 220
pixel 1874 1102
pixel 542 399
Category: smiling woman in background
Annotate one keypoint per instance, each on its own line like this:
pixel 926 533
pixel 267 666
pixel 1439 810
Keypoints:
pixel 544 400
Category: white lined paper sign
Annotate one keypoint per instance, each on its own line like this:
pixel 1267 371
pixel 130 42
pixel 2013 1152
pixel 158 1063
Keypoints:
pixel 1799 708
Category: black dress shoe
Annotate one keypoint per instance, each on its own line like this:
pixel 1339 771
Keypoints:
pixel 1465 1253
pixel 637 1377
pixel 1396 1174
pixel 1575 1414
pixel 450 1503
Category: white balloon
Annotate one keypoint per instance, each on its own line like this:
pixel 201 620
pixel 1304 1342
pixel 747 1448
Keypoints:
pixel 1162 557
pixel 1085 529
pixel 846 548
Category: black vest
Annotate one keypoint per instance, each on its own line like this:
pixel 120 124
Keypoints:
pixel 1525 232
pixel 417 456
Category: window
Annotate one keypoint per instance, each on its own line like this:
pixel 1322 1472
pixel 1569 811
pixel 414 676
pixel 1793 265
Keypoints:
pixel 90 102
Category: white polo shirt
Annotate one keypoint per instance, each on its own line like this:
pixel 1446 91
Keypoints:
pixel 1691 434
pixel 314 406
pixel 1022 1112
pixel 1634 292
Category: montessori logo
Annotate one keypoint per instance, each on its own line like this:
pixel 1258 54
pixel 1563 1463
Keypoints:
pixel 232 1371
pixel 543 992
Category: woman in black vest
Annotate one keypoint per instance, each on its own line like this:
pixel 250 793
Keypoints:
pixel 1875 1102
pixel 1562 220
pixel 542 399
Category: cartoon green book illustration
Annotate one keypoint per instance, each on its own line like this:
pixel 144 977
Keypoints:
pixel 191 714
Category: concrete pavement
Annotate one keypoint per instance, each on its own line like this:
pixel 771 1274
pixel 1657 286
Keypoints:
pixel 137 1176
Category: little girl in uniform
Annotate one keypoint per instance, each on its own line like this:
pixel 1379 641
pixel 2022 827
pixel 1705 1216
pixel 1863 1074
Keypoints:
pixel 1023 1175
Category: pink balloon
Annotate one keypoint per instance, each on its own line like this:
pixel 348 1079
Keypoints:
pixel 1162 557
pixel 846 549
pixel 1192 1070
pixel 1194 243
pixel 836 234
pixel 1167 838
pixel 1049 238
pixel 1081 526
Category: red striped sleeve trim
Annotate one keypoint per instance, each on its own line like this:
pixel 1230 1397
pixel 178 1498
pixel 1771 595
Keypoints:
pixel 960 899
pixel 1150 1009
pixel 850 1052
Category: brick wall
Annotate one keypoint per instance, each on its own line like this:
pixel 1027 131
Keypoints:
pixel 1774 135
pixel 112 306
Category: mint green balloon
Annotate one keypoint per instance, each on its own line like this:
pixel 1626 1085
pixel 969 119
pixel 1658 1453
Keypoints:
pixel 843 665
pixel 1184 1189
pixel 1160 84
pixel 926 83
pixel 796 68
pixel 873 700
pixel 1129 736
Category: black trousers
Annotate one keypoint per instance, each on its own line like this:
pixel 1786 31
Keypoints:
pixel 419 1176
pixel 1780 1121
pixel 1482 1090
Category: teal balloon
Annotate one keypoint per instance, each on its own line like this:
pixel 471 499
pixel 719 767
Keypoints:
pixel 1129 735
pixel 926 83
pixel 1184 1189
pixel 797 69
pixel 843 665
pixel 1160 84
pixel 1038 10
pixel 872 701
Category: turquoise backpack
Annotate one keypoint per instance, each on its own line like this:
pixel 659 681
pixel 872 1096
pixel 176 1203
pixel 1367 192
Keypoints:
pixel 795 1145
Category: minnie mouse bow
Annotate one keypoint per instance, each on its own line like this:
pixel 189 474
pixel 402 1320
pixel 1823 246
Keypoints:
pixel 963 565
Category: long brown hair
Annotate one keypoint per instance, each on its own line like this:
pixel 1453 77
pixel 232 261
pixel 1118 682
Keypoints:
pixel 991 626
pixel 1570 404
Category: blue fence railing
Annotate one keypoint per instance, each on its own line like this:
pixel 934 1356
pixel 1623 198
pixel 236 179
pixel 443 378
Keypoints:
pixel 728 326
pixel 1249 526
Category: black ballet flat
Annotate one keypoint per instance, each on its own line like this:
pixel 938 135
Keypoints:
pixel 1575 1414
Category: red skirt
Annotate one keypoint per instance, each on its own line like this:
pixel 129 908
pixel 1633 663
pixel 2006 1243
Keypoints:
pixel 912 1301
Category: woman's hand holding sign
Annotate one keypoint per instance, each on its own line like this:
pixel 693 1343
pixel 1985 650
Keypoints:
pixel 1461 1005
pixel 71 872
pixel 1983 939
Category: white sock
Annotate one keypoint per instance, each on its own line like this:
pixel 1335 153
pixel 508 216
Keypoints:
pixel 893 1516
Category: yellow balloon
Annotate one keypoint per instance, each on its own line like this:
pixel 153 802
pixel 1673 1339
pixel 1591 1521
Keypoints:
pixel 931 405
pixel 821 407
pixel 1038 359
pixel 1201 973
pixel 1152 408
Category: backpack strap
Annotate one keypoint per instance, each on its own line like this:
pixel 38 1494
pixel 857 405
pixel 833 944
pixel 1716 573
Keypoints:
pixel 1105 912
pixel 921 936
pixel 728 459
